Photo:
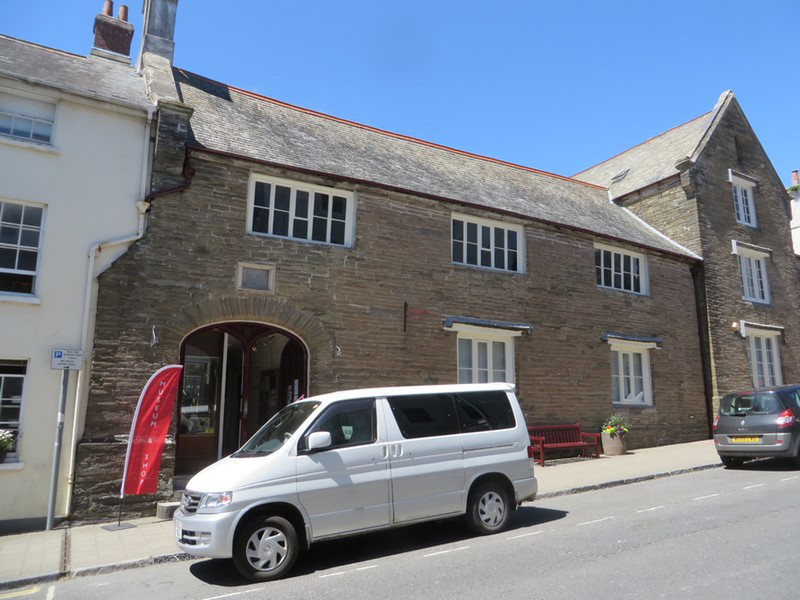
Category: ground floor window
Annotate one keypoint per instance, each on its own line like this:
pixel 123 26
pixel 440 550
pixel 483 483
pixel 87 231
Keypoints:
pixel 485 354
pixel 12 385
pixel 765 362
pixel 630 372
pixel 483 360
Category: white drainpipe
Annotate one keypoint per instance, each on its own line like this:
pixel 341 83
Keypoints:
pixel 142 207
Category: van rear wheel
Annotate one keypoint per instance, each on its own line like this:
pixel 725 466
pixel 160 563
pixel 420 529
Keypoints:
pixel 265 548
pixel 488 509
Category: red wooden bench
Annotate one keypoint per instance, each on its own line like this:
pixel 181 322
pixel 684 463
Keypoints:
pixel 559 437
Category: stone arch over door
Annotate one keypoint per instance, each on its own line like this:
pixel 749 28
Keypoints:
pixel 268 310
pixel 240 325
pixel 260 309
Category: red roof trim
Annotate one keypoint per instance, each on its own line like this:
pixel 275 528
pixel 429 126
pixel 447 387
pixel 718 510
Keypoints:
pixel 390 133
pixel 644 142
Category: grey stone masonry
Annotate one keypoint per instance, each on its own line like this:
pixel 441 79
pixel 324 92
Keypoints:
pixel 347 304
pixel 696 208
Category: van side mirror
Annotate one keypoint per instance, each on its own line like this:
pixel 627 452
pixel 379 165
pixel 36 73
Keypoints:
pixel 319 440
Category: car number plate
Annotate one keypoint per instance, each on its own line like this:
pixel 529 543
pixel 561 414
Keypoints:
pixel 178 532
pixel 743 439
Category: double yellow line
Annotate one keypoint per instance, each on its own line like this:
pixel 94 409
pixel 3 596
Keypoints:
pixel 21 593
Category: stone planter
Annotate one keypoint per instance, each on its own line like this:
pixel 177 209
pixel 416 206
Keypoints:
pixel 614 446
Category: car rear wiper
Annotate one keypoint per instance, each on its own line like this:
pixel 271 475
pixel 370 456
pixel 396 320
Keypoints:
pixel 739 414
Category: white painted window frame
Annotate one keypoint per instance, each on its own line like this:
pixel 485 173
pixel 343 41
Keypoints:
pixel 270 269
pixel 623 349
pixel 644 271
pixel 12 458
pixel 26 95
pixel 34 274
pixel 761 342
pixel 744 202
pixel 481 222
pixel 476 335
pixel 294 185
pixel 753 272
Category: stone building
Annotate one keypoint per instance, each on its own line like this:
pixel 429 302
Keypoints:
pixel 291 253
pixel 709 185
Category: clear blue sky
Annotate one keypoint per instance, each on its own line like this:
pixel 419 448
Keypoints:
pixel 558 86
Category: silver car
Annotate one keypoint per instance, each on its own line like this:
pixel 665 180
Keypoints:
pixel 758 423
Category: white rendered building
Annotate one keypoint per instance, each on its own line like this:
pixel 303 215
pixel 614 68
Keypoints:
pixel 74 150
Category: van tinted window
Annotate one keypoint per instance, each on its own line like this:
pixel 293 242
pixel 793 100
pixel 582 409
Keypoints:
pixel 424 415
pixel 482 411
pixel 350 423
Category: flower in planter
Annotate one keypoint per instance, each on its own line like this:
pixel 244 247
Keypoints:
pixel 616 425
pixel 6 440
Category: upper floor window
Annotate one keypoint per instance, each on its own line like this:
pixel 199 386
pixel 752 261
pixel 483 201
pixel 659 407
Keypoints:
pixel 300 211
pixel 743 199
pixel 620 269
pixel 753 272
pixel 26 119
pixel 20 240
pixel 483 243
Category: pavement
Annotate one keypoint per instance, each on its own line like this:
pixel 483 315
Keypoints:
pixel 81 550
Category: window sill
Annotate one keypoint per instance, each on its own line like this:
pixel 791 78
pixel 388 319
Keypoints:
pixel 46 148
pixel 764 303
pixel 19 299
pixel 627 292
pixel 631 405
pixel 748 225
pixel 12 466
pixel 488 269
pixel 260 235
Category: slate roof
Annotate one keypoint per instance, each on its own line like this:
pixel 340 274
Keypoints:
pixel 244 124
pixel 650 161
pixel 92 76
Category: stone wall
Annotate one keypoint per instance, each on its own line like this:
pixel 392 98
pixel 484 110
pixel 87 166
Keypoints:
pixel 182 276
pixel 696 209
pixel 719 227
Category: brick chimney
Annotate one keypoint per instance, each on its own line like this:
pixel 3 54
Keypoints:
pixel 112 37
pixel 795 178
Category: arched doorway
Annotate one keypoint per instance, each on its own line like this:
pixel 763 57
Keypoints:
pixel 235 377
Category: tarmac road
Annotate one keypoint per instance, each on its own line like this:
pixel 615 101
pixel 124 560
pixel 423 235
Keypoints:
pixel 717 533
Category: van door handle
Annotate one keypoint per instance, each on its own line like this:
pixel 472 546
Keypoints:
pixel 384 451
pixel 397 450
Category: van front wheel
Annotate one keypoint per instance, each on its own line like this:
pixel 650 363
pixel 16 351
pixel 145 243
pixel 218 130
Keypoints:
pixel 488 508
pixel 265 548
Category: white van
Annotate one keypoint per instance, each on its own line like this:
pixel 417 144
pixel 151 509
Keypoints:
pixel 362 460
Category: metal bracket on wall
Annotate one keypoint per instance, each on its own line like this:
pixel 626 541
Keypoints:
pixel 414 312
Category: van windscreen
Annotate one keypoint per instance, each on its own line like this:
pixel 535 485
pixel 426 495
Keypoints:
pixel 276 432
